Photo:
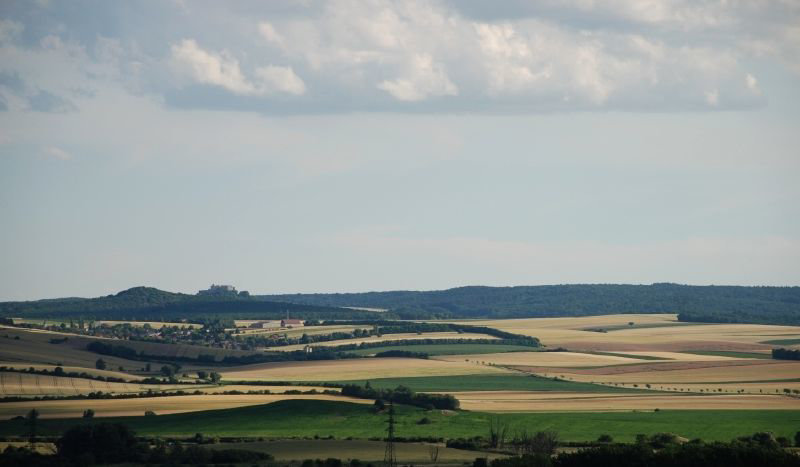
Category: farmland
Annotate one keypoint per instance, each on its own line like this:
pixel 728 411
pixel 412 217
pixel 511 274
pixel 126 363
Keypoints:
pixel 596 374
pixel 344 419
pixel 358 369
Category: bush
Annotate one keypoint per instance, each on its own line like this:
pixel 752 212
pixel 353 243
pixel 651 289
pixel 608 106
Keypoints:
pixel 103 443
pixel 605 439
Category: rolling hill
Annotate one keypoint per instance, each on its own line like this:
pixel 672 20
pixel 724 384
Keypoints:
pixel 148 303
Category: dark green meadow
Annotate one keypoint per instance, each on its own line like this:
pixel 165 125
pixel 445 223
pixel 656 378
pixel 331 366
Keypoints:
pixel 298 419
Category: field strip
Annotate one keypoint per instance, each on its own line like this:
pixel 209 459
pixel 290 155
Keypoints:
pixel 556 359
pixel 532 402
pixel 683 357
pixel 160 405
pixel 649 333
pixel 774 370
pixel 388 338
pixel 651 367
pixel 354 369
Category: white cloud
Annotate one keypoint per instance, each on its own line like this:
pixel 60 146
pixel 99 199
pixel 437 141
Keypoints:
pixel 281 78
pixel 269 33
pixel 58 153
pixel 222 69
pixel 423 79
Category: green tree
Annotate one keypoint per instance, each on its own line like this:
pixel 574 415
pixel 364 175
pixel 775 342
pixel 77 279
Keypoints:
pixel 100 364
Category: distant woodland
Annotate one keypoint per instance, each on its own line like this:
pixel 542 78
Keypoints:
pixel 718 304
pixel 693 303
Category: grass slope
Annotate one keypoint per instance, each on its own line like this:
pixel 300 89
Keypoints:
pixel 486 383
pixel 342 419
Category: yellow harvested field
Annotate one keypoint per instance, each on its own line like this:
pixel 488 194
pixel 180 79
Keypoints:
pixel 356 369
pixel 651 332
pixel 522 401
pixel 159 405
pixel 71 369
pixel 557 359
pixel 390 338
pixel 680 356
pixel 688 372
pixel 24 384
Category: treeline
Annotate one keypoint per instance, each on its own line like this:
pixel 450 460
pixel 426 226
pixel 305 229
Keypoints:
pixel 757 304
pixel 751 317
pixel 734 454
pixel 785 354
pixel 105 443
pixel 298 355
pixel 401 395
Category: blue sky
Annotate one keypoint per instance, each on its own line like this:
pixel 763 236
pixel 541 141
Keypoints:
pixel 302 146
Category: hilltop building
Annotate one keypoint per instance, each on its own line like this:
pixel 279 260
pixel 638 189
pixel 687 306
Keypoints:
pixel 223 291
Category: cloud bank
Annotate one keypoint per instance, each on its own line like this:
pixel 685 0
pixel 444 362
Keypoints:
pixel 414 56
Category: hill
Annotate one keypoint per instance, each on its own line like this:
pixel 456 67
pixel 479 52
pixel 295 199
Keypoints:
pixel 694 303
pixel 148 303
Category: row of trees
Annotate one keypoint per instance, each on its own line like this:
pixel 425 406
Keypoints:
pixel 785 354
pixel 401 395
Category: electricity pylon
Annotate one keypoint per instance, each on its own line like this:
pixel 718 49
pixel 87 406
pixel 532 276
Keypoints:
pixel 389 457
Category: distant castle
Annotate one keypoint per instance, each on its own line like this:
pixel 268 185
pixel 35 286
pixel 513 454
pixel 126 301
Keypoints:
pixel 222 291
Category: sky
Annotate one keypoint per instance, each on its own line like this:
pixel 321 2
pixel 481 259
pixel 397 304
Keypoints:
pixel 333 146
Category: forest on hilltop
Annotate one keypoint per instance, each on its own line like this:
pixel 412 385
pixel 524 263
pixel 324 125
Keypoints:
pixel 694 303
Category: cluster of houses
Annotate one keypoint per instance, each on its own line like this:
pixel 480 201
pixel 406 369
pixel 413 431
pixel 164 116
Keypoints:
pixel 277 324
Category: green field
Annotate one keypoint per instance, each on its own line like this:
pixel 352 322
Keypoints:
pixel 449 349
pixel 782 342
pixel 487 383
pixel 725 353
pixel 343 419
